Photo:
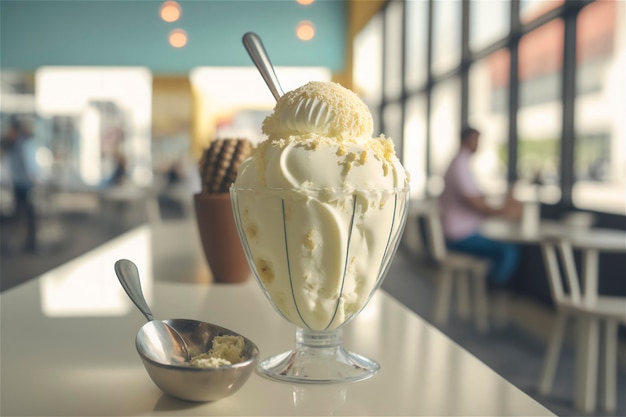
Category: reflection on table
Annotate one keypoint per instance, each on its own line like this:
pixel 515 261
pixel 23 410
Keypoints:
pixel 67 344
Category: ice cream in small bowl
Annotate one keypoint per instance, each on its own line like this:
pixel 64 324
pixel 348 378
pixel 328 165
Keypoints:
pixel 221 361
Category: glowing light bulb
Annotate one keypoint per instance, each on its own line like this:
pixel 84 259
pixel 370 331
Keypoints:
pixel 170 11
pixel 305 31
pixel 178 38
pixel 305 2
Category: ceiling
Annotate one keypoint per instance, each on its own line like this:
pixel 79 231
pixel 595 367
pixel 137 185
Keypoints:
pixel 131 33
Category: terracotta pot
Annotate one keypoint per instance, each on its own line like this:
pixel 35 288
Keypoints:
pixel 220 241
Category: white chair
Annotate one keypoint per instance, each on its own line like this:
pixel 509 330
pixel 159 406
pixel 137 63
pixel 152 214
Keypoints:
pixel 571 303
pixel 467 272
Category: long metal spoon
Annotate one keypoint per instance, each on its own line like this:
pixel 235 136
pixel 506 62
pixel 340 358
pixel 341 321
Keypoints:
pixel 164 341
pixel 256 50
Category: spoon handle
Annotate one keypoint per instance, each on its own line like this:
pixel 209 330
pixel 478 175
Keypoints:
pixel 259 56
pixel 128 276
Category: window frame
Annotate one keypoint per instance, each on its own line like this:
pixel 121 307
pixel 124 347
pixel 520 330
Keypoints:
pixel 568 12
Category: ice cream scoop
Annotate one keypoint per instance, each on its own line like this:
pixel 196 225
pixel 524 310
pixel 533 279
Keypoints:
pixel 323 108
pixel 320 136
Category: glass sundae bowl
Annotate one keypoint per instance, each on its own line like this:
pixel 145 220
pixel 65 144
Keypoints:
pixel 319 255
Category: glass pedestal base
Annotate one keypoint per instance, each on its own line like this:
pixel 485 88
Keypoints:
pixel 318 358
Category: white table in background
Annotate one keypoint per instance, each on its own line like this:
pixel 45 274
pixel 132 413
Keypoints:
pixel 513 231
pixel 67 345
pixel 590 241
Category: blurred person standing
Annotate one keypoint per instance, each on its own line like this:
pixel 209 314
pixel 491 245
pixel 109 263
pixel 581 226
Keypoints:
pixel 19 153
pixel 120 172
pixel 464 208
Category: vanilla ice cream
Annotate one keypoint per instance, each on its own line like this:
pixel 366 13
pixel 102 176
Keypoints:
pixel 320 203
pixel 225 350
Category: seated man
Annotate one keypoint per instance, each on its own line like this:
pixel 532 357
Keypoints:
pixel 463 208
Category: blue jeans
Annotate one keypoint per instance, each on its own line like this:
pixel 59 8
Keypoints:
pixel 503 257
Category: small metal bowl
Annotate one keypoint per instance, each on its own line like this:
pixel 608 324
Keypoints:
pixel 193 383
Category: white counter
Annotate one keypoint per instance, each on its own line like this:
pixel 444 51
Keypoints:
pixel 67 345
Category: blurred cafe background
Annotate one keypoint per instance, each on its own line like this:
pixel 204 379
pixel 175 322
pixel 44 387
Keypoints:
pixel 118 99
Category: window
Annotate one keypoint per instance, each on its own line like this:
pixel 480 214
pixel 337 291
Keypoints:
pixel 414 149
pixel 488 112
pixel 423 112
pixel 540 108
pixel 444 130
pixel 599 153
pixel 529 10
pixel 107 113
pixel 368 60
pixel 489 22
pixel 393 50
pixel 446 35
pixel 392 123
pixel 416 43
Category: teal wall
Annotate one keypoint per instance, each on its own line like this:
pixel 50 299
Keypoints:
pixel 130 32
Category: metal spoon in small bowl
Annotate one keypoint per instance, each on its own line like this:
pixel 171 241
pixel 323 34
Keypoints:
pixel 161 338
pixel 253 44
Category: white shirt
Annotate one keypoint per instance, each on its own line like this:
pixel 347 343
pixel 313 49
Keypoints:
pixel 460 220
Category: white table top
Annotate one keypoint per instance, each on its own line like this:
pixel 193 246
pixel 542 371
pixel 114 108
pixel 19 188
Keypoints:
pixel 67 345
pixel 512 231
pixel 603 239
